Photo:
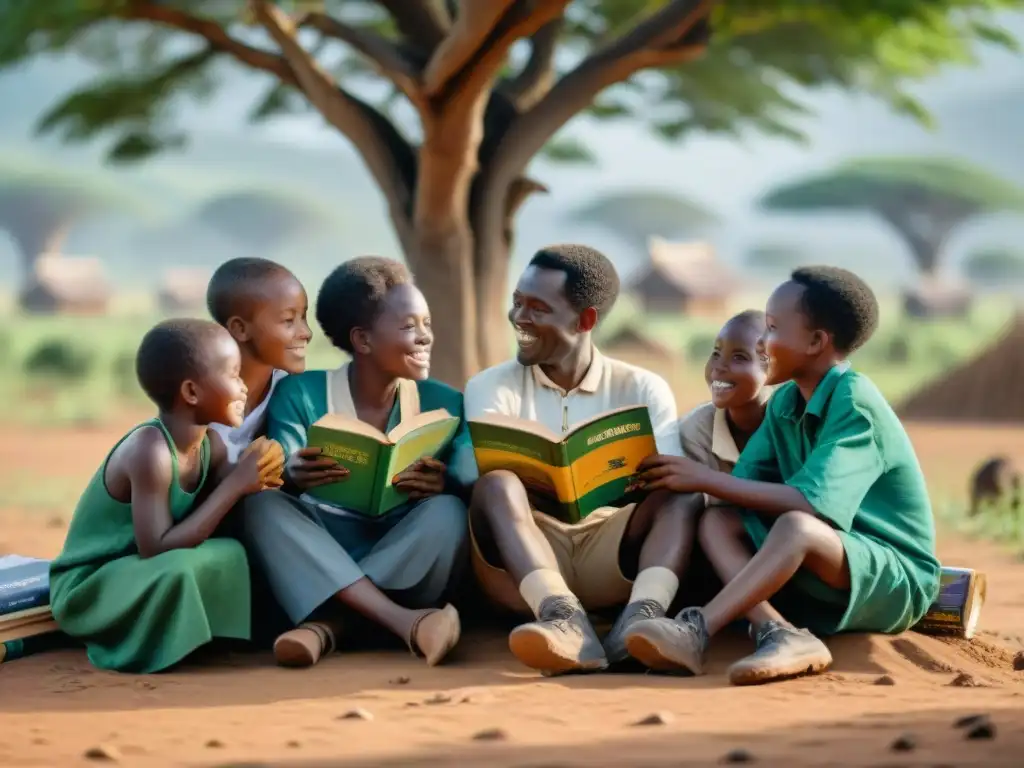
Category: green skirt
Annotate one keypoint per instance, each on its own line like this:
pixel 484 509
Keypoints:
pixel 145 615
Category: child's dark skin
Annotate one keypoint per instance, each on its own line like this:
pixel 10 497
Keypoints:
pixel 140 469
pixel 397 346
pixel 736 374
pixel 795 352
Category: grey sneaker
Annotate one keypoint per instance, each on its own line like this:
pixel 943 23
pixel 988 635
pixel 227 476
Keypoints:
pixel 782 652
pixel 615 640
pixel 561 640
pixel 670 645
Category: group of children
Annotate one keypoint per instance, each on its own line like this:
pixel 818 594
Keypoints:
pixel 796 480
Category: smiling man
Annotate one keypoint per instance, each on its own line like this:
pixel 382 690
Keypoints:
pixel 531 563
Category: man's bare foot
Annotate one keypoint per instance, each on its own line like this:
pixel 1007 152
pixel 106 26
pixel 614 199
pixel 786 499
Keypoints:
pixel 305 645
pixel 435 633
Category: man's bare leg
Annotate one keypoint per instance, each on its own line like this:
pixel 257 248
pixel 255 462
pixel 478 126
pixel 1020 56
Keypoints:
pixel 562 638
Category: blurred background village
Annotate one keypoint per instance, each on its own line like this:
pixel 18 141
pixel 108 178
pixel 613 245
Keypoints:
pixel 92 253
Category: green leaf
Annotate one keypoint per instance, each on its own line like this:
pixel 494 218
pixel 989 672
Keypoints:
pixel 568 151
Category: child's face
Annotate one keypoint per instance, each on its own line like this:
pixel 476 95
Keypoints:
pixel 219 395
pixel 401 339
pixel 788 341
pixel 277 333
pixel 735 372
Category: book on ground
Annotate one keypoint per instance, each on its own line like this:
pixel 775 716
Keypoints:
pixel 24 583
pixel 373 458
pixel 568 476
pixel 957 609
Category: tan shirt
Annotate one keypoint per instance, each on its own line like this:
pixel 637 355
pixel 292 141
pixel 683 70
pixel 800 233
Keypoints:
pixel 524 392
pixel 706 438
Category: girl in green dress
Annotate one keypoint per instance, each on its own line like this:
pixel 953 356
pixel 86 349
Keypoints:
pixel 139 579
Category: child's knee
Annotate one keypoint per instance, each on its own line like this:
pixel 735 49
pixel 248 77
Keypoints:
pixel 799 529
pixel 718 523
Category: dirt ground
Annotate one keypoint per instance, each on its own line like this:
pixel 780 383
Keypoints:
pixel 242 710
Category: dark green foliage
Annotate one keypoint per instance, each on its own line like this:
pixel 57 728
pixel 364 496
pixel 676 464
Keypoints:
pixel 995 266
pixel 59 359
pixel 636 215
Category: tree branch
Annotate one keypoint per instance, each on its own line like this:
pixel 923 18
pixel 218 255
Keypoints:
pixel 387 58
pixel 658 41
pixel 215 35
pixel 423 22
pixel 384 151
pixel 538 75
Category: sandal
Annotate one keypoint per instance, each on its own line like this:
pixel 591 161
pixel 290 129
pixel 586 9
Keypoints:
pixel 305 645
pixel 434 633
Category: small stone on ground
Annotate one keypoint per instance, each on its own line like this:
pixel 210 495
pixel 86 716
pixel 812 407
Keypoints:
pixel 657 718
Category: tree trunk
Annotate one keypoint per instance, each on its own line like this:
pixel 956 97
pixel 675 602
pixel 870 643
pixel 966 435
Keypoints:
pixel 35 239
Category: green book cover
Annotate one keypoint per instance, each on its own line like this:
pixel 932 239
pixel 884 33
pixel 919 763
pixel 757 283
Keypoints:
pixel 568 476
pixel 373 458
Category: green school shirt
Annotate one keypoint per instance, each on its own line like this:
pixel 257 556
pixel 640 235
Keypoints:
pixel 301 399
pixel 846 451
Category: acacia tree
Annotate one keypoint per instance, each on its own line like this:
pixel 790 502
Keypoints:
pixel 636 215
pixel 477 88
pixel 923 199
pixel 263 219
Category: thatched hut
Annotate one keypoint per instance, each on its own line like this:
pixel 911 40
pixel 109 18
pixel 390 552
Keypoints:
pixel 986 388
pixel 937 296
pixel 73 285
pixel 183 290
pixel 685 278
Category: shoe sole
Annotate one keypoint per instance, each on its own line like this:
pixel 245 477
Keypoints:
pixel 761 675
pixel 655 658
pixel 535 650
pixel 293 653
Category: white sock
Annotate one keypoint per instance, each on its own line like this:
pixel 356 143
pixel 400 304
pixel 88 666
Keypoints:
pixel 541 584
pixel 657 584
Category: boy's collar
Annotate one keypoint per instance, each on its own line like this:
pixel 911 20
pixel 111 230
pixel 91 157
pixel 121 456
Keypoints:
pixel 723 444
pixel 791 409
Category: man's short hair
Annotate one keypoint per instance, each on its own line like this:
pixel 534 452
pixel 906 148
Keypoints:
pixel 590 278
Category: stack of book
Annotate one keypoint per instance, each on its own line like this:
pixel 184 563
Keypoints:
pixel 24 598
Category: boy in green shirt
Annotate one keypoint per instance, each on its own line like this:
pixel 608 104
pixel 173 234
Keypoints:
pixel 830 520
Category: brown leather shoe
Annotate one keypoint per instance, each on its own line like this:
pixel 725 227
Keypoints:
pixel 306 644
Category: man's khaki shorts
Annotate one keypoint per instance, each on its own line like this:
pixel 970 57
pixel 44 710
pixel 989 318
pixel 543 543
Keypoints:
pixel 587 555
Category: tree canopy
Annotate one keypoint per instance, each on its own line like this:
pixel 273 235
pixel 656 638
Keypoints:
pixel 264 218
pixel 923 198
pixel 636 215
pixel 995 266
pixel 38 206
pixel 448 103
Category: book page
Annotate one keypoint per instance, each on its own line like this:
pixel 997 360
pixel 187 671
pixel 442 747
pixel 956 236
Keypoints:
pixel 348 425
pixel 426 439
pixel 520 425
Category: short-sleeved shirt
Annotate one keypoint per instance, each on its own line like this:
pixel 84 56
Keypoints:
pixel 846 451
pixel 526 392
pixel 707 439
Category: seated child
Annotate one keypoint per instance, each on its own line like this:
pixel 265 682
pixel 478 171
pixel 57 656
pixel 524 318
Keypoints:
pixel 831 519
pixel 322 560
pixel 714 433
pixel 263 306
pixel 139 579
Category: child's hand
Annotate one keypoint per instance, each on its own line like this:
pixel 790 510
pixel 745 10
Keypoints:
pixel 423 478
pixel 258 470
pixel 306 469
pixel 671 473
pixel 265 446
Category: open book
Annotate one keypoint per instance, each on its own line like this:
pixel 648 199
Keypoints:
pixel 374 458
pixel 568 476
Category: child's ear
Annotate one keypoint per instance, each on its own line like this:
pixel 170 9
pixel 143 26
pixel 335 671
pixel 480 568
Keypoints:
pixel 588 320
pixel 820 341
pixel 239 329
pixel 360 340
pixel 190 392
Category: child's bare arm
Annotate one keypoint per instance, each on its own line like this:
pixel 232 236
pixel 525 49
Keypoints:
pixel 150 473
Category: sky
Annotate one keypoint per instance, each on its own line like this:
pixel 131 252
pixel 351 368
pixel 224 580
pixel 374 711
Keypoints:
pixel 980 112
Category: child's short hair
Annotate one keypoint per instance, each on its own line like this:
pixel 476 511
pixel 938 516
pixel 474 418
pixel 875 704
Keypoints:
pixel 353 294
pixel 170 353
pixel 837 301
pixel 752 317
pixel 590 277
pixel 234 284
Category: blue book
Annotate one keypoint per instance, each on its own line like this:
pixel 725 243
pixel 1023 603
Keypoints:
pixel 24 583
